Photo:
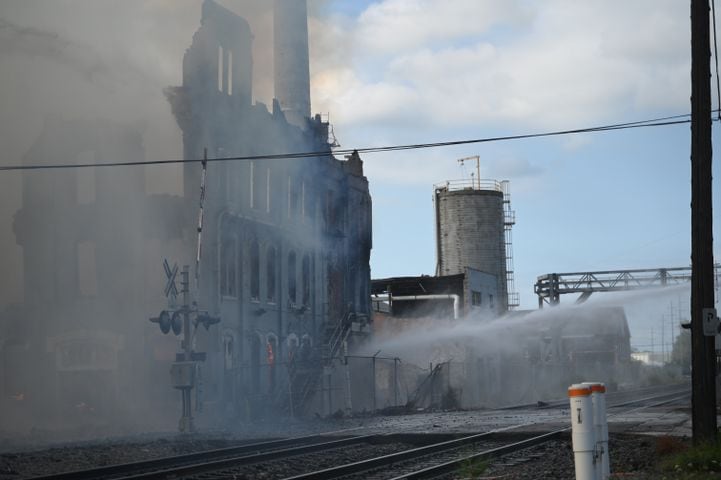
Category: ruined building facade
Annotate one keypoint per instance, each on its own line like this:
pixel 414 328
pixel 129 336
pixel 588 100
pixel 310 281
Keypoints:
pixel 286 242
pixel 76 352
pixel 285 261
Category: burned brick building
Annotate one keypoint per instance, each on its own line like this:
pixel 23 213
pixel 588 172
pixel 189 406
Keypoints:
pixel 285 248
pixel 75 352
pixel 286 243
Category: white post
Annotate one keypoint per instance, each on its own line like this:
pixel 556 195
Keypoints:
pixel 598 399
pixel 583 431
pixel 605 455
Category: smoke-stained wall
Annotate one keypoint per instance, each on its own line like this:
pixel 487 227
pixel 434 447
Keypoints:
pixel 78 351
pixel 286 242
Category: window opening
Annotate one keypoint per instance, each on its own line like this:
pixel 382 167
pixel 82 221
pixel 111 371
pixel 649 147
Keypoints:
pixel 230 72
pixel 291 278
pixel 270 274
pixel 228 262
pixel 306 279
pixel 220 68
pixel 254 271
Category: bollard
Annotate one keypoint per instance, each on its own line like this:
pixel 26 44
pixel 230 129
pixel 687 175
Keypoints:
pixel 583 432
pixel 598 400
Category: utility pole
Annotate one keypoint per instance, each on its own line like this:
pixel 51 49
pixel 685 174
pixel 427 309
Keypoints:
pixel 703 375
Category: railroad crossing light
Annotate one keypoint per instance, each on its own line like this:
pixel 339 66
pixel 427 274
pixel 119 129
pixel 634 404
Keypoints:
pixel 176 322
pixel 163 320
pixel 206 320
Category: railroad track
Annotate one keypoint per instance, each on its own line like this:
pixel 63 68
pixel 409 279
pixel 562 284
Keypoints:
pixel 188 464
pixel 384 456
pixel 613 399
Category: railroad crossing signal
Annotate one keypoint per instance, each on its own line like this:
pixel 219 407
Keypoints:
pixel 178 319
pixel 171 291
pixel 169 320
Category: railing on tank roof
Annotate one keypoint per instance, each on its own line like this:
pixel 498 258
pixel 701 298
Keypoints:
pixel 469 184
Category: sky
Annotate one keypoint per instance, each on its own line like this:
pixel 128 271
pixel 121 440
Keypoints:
pixel 391 72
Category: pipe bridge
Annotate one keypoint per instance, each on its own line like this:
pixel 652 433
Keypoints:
pixel 551 286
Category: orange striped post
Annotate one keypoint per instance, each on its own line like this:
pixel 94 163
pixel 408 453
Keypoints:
pixel 583 433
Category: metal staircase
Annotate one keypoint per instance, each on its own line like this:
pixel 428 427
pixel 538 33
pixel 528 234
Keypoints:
pixel 305 376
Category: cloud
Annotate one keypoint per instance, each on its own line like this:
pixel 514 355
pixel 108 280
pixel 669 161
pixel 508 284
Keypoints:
pixel 393 26
pixel 546 65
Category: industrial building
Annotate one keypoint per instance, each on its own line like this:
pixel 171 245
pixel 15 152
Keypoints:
pixel 285 249
pixel 474 268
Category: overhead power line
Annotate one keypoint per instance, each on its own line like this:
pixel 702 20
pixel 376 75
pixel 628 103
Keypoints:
pixel 655 122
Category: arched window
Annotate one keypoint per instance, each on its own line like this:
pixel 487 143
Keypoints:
pixel 254 271
pixel 305 269
pixel 291 278
pixel 228 262
pixel 255 363
pixel 271 353
pixel 228 348
pixel 271 268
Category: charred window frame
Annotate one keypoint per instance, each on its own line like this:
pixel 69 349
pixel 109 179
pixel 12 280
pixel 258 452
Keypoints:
pixel 270 275
pixel 221 70
pixel 292 282
pixel 228 267
pixel 305 272
pixel 476 298
pixel 230 73
pixel 271 346
pixel 255 363
pixel 228 351
pixel 329 211
pixel 292 198
pixel 255 185
pixel 254 271
pixel 309 201
pixel 267 190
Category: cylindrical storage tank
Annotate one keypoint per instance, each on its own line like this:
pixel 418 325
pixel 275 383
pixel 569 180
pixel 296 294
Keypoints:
pixel 470 233
pixel 291 59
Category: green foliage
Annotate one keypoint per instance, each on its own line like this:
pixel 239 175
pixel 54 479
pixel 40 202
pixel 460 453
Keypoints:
pixel 681 354
pixel 472 468
pixel 702 461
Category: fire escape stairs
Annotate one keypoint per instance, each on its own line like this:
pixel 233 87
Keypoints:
pixel 306 376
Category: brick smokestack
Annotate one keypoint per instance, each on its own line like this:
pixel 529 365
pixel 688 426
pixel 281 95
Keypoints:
pixel 291 63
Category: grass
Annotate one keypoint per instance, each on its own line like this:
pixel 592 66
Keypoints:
pixel 472 468
pixel 697 462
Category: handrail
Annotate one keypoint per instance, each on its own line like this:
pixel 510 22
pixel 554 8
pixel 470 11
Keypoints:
pixel 469 184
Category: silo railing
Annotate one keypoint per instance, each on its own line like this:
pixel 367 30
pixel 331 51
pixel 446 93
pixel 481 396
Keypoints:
pixel 469 184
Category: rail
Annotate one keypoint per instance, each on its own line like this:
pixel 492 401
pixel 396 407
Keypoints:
pixel 663 396
pixel 192 463
pixel 469 184
pixel 222 462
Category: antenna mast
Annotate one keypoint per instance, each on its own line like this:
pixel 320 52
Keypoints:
pixel 477 158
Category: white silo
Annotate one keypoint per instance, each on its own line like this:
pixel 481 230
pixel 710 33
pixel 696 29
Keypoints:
pixel 473 220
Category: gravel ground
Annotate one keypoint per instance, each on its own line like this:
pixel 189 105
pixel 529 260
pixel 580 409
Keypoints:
pixel 80 456
pixel 632 457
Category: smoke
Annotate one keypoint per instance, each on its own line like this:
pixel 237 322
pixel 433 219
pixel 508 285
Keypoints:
pixel 81 70
pixel 501 360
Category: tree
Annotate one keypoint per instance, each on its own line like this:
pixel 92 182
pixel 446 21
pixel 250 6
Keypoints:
pixel 681 354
